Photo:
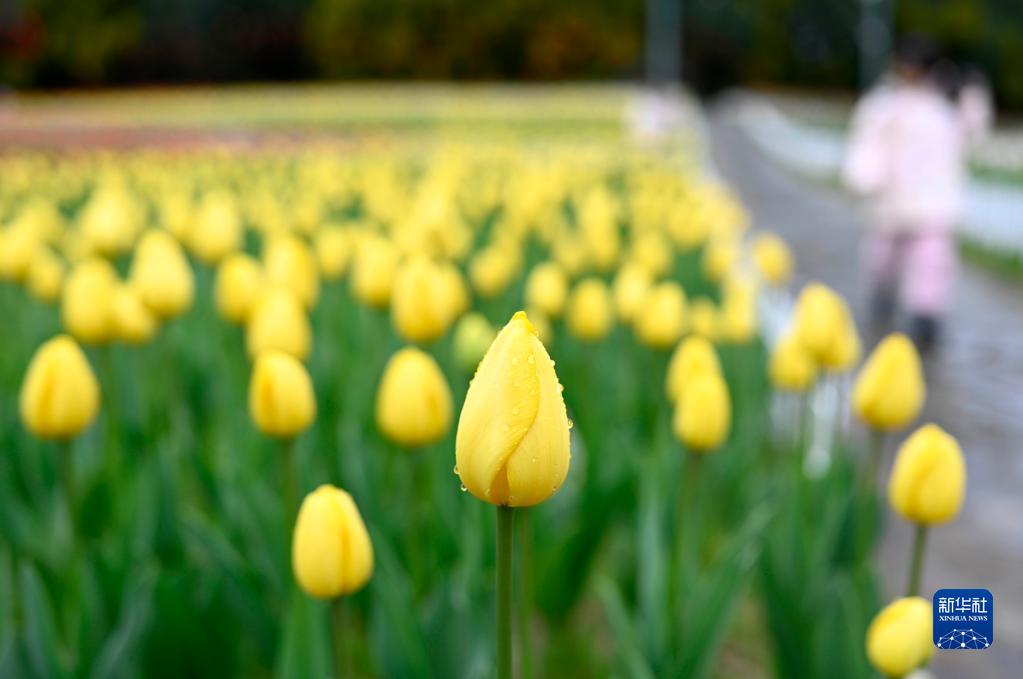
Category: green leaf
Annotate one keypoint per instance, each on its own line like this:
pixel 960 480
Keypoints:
pixel 306 641
pixel 120 648
pixel 40 631
pixel 628 647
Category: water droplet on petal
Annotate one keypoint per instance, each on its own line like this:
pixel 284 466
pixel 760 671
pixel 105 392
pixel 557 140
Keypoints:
pixel 571 424
pixel 463 488
pixel 456 469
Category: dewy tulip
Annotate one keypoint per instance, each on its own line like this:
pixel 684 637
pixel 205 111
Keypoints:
pixel 928 479
pixel 694 356
pixel 889 391
pixel 331 553
pixel 161 274
pixel 290 264
pixel 419 311
pixel 589 310
pixel 791 367
pixel 703 414
pixel 772 258
pixel 237 287
pixel 899 639
pixel 825 327
pixel 134 323
pixel 85 306
pixel 373 269
pixel 413 406
pixel 512 446
pixel 473 335
pixel 281 399
pixel 661 318
pixel 279 322
pixel 547 288
pixel 60 395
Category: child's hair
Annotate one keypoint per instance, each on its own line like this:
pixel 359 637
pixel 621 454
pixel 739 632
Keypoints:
pixel 917 52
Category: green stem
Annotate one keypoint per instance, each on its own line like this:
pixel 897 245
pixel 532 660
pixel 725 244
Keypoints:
pixel 66 472
pixel 288 485
pixel 916 566
pixel 342 660
pixel 525 609
pixel 686 542
pixel 877 438
pixel 505 521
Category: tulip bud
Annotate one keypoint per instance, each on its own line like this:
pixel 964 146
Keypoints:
pixel 331 552
pixel 589 310
pixel 289 264
pixel 17 250
pixel 45 275
pixel 694 356
pixel 60 395
pixel 85 307
pixel 825 327
pixel 376 261
pixel 333 246
pixel 546 289
pixel 703 414
pixel 889 391
pixel 237 287
pixel 281 399
pixel 704 318
pixel 279 322
pixel 772 258
pixel 473 336
pixel 133 322
pixel 738 320
pixel 654 253
pixel 661 318
pixel 419 311
pixel 492 270
pixel 512 446
pixel 161 274
pixel 899 637
pixel 630 287
pixel 454 291
pixel 719 259
pixel 218 227
pixel 413 406
pixel 928 479
pixel 791 366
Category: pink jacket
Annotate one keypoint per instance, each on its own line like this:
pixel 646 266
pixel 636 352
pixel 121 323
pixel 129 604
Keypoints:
pixel 908 153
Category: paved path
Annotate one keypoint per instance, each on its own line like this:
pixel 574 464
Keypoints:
pixel 975 385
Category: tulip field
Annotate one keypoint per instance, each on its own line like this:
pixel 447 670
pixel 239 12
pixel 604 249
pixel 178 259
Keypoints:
pixel 476 387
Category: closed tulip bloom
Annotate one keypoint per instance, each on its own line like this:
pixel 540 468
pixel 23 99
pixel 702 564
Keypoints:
pixel 928 479
pixel 454 291
pixel 772 258
pixel 589 313
pixel 824 326
pixel 542 325
pixel 704 318
pixel 45 275
pixel 237 287
pixel 413 406
pixel 161 274
pixel 661 318
pixel 703 414
pixel 331 553
pixel 290 264
pixel 17 250
pixel 738 319
pixel 334 247
pixel 719 259
pixel 492 270
pixel 281 399
pixel 694 356
pixel 653 252
pixel 512 446
pixel 419 311
pixel 899 639
pixel 889 391
pixel 278 322
pixel 85 306
pixel 134 323
pixel 630 287
pixel 791 367
pixel 547 288
pixel 473 336
pixel 218 228
pixel 376 261
pixel 60 395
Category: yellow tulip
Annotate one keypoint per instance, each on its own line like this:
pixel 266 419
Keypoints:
pixel 279 322
pixel 512 446
pixel 772 258
pixel 660 321
pixel 281 399
pixel 694 356
pixel 17 250
pixel 791 366
pixel 376 260
pixel 419 311
pixel 492 270
pixel 413 405
pixel 290 264
pixel 928 479
pixel 703 414
pixel 133 322
pixel 653 252
pixel 630 287
pixel 543 327
pixel 60 395
pixel 331 553
pixel 719 259
pixel 455 291
pixel 704 318
pixel 589 310
pixel 218 227
pixel 899 639
pixel 889 391
pixel 161 274
pixel 85 307
pixel 473 335
pixel 825 327
pixel 738 319
pixel 333 245
pixel 110 220
pixel 45 275
pixel 238 283
pixel 547 288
